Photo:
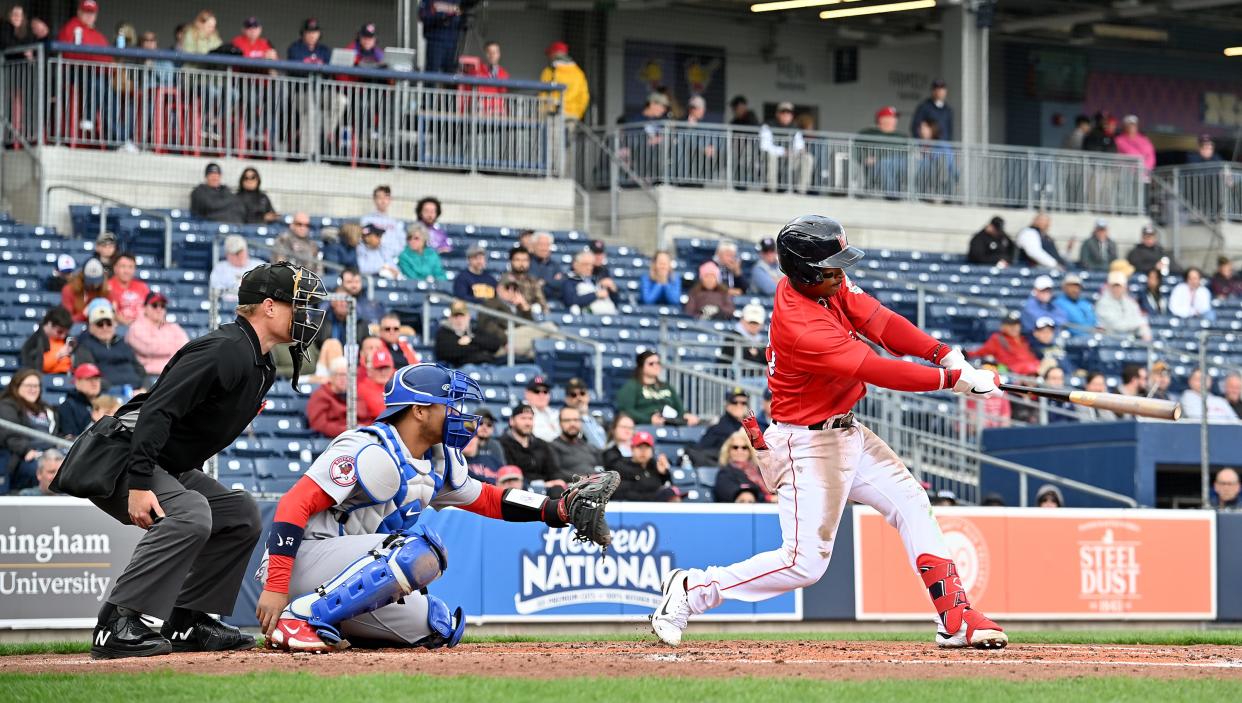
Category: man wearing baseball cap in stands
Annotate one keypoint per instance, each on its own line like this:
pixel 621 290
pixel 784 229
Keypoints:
pixel 1039 304
pixel 105 251
pixel 737 404
pixel 252 44
pixel 74 414
pixel 307 48
pixel 529 453
pixel 1008 347
pixel 65 266
pixel 153 338
pixel 600 251
pixel 226 275
pixel 766 272
pixel 366 48
pixel 883 165
pixel 539 398
pixel 104 348
pixel 212 200
pixel 936 108
pixel 509 476
pixel 643 474
pixel 372 378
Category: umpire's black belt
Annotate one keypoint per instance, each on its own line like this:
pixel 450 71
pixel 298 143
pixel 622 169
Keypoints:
pixel 841 422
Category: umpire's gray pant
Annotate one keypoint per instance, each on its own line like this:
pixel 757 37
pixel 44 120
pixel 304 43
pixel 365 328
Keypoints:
pixel 194 558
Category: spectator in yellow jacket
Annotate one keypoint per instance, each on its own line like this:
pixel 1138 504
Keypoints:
pixel 562 69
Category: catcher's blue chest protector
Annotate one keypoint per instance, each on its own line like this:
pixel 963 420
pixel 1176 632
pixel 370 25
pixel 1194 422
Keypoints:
pixel 415 488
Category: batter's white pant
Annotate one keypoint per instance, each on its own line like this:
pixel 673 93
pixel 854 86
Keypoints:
pixel 320 560
pixel 814 473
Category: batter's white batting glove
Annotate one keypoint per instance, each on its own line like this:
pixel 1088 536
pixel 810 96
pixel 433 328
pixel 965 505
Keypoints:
pixel 954 360
pixel 977 383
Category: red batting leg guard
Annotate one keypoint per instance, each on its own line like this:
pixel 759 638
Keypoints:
pixel 952 605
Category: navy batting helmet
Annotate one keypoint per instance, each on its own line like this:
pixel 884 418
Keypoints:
pixel 810 243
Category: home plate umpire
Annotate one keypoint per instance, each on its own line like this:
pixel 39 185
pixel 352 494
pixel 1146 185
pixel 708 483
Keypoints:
pixel 144 467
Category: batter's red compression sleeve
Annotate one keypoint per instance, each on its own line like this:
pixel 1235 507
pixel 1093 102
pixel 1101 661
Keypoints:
pixel 904 376
pixel 292 512
pixel 901 338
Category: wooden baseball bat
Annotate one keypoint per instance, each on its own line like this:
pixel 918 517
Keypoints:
pixel 1123 404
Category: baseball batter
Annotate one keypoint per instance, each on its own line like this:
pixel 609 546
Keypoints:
pixel 346 539
pixel 816 456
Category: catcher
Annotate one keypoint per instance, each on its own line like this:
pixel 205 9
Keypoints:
pixel 345 540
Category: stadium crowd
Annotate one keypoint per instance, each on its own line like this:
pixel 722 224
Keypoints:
pixel 128 338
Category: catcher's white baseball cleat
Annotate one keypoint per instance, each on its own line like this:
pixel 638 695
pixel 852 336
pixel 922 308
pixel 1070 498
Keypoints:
pixel 673 614
pixel 294 635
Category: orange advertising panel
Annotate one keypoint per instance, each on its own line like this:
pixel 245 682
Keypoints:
pixel 1032 563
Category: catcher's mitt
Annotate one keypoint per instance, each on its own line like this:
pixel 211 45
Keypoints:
pixel 583 503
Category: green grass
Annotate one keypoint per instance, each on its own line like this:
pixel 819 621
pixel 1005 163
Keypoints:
pixel 68 688
pixel 1016 636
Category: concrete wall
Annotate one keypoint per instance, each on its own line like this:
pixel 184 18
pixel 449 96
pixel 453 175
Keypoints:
pixel 150 180
pixel 872 223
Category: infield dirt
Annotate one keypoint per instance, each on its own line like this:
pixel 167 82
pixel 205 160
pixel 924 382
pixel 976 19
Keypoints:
pixel 816 660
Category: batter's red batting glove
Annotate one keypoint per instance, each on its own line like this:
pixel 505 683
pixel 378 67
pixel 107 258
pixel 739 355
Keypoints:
pixel 751 424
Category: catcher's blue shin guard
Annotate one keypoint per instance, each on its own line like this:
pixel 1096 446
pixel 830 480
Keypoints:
pixel 446 628
pixel 401 565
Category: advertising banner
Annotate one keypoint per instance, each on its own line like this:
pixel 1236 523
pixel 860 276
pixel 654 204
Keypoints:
pixel 58 560
pixel 1032 563
pixel 529 572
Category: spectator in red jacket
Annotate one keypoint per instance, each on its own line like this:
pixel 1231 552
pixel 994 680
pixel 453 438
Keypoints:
pixel 372 379
pixel 97 100
pixel 81 30
pixel 1010 348
pixel 251 42
pixel 325 411
pixel 491 105
pixel 127 293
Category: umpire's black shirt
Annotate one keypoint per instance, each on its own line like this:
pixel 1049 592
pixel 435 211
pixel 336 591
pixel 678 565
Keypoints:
pixel 206 396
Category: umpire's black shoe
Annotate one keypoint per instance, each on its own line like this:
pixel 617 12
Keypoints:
pixel 199 632
pixel 122 633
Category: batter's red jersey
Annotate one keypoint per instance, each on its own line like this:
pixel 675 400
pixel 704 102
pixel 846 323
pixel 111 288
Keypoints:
pixel 813 350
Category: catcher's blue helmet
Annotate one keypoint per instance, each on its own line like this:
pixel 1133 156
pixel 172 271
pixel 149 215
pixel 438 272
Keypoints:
pixel 427 384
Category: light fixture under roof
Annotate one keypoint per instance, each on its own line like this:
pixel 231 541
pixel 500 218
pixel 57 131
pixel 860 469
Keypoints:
pixel 792 5
pixel 1234 51
pixel 876 9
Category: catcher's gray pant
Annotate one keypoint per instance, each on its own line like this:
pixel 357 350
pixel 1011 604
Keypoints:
pixel 196 556
pixel 320 560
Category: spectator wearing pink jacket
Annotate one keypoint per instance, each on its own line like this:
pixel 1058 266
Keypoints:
pixel 1132 141
pixel 153 338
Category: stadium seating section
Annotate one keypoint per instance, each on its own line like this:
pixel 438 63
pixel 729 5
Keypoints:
pixel 963 304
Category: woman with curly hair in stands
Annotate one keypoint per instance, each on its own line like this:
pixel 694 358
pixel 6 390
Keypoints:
pixel 739 480
pixel 649 400
pixel 83 287
pixel 22 404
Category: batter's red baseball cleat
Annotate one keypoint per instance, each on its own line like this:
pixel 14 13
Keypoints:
pixel 960 625
pixel 295 635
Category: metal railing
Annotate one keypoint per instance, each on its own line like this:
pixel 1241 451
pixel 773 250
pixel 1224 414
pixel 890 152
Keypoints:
pixel 703 392
pixel 594 153
pixel 938 458
pixel 1211 192
pixel 45 215
pixel 9 426
pixel 171 102
pixel 512 322
pixel 858 165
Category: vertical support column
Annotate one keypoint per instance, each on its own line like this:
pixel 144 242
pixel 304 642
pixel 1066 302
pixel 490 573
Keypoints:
pixel 963 59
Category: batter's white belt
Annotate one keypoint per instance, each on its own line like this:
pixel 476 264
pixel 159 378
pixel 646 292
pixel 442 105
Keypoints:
pixel 844 421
